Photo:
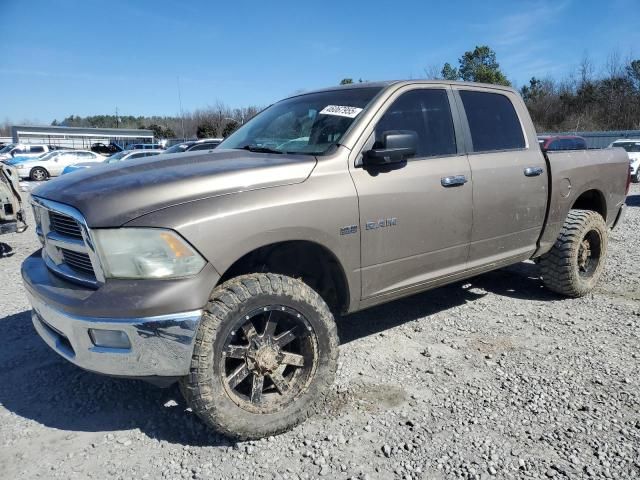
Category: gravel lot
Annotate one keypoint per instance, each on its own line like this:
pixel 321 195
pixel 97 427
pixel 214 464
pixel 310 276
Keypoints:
pixel 490 378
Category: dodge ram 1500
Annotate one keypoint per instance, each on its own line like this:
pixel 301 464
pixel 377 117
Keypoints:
pixel 223 270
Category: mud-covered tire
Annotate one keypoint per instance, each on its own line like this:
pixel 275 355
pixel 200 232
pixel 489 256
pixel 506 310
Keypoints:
pixel 207 387
pixel 38 174
pixel 570 268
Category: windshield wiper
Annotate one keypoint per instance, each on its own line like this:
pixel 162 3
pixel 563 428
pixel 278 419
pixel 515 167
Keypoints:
pixel 259 149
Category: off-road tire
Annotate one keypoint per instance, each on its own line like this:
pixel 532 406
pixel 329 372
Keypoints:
pixel 204 388
pixel 560 267
pixel 38 174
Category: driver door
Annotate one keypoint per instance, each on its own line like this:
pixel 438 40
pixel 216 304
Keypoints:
pixel 415 227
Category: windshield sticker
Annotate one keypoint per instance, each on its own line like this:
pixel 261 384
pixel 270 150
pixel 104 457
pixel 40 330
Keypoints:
pixel 341 111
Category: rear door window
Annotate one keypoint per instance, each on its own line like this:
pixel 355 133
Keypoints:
pixel 493 121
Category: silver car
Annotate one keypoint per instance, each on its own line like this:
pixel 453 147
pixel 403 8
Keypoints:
pixel 52 164
pixel 118 157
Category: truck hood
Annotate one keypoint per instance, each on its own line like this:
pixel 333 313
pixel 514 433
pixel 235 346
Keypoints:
pixel 112 195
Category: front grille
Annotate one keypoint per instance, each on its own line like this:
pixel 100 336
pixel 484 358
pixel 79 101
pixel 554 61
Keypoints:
pixel 64 225
pixel 80 262
pixel 66 251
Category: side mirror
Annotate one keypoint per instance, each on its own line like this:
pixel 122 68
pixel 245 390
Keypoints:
pixel 397 147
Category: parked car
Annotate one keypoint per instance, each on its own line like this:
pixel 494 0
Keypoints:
pixel 51 164
pixel 22 150
pixel 195 145
pixel 118 157
pixel 223 270
pixel 562 142
pixel 145 146
pixel 106 150
pixel 632 146
pixel 12 216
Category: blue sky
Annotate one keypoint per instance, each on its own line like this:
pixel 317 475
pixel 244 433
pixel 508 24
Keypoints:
pixel 86 57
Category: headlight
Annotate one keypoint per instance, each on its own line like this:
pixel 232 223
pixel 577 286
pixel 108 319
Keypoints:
pixel 18 166
pixel 146 253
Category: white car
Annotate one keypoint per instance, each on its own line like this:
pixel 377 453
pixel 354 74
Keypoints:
pixel 22 150
pixel 115 158
pixel 632 146
pixel 51 164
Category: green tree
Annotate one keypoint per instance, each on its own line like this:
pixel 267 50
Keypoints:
pixel 160 132
pixel 449 73
pixel 633 71
pixel 532 91
pixel 206 130
pixel 480 65
pixel 229 128
pixel 346 81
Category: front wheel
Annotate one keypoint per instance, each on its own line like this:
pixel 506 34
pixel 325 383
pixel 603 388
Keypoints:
pixel 264 358
pixel 575 262
pixel 38 174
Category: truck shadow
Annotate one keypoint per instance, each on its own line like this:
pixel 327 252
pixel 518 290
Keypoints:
pixel 37 384
pixel 519 281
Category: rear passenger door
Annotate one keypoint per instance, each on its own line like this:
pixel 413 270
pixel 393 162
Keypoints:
pixel 415 225
pixel 509 176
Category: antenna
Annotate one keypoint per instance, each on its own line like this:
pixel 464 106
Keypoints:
pixel 181 113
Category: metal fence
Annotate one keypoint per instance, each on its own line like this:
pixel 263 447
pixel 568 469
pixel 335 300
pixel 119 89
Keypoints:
pixel 601 139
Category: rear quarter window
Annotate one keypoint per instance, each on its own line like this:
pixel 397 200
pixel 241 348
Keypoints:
pixel 493 121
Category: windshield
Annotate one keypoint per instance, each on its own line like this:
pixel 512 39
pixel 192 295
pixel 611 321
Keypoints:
pixel 49 155
pixel 629 146
pixel 116 157
pixel 308 124
pixel 7 148
pixel 179 148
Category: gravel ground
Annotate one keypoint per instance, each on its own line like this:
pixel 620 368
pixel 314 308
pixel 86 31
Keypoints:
pixel 490 378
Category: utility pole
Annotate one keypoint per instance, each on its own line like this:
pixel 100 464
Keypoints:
pixel 181 113
pixel 117 119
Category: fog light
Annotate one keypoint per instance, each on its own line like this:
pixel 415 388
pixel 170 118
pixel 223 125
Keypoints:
pixel 109 338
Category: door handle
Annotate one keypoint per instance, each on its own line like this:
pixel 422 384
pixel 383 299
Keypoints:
pixel 533 171
pixel 453 181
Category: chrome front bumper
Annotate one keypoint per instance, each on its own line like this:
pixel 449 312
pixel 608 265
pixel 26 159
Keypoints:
pixel 160 345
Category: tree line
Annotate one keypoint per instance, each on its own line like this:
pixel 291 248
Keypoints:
pixel 607 98
pixel 218 120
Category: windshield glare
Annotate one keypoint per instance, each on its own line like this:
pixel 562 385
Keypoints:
pixel 308 124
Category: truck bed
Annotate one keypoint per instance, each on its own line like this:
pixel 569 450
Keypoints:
pixel 578 174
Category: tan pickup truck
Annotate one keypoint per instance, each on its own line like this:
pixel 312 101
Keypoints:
pixel 223 270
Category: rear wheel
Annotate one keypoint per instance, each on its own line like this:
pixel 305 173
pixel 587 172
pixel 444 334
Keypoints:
pixel 38 174
pixel 575 262
pixel 265 356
